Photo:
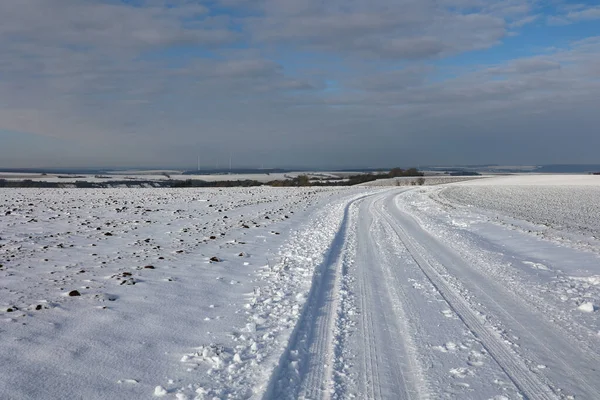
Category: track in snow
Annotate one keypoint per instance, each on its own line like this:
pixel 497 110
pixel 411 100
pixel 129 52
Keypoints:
pixel 301 374
pixel 387 293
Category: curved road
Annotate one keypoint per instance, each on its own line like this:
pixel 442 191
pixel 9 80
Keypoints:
pixel 396 313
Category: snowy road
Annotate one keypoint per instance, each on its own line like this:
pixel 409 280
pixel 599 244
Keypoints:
pixel 400 313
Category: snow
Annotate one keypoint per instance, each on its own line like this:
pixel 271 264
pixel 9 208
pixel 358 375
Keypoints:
pixel 558 207
pixel 163 175
pixel 463 290
pixel 160 391
pixel 537 180
pixel 132 322
pixel 586 306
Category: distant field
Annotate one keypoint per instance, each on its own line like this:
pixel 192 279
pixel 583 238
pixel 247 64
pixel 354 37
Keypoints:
pixel 157 176
pixel 539 180
pixel 562 202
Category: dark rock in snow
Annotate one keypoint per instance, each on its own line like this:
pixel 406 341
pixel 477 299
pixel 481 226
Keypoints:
pixel 74 293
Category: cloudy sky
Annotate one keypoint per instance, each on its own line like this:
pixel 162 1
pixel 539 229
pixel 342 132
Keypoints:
pixel 321 83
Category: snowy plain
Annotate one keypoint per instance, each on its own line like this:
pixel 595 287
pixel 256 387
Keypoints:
pixel 135 176
pixel 149 291
pixel 487 289
pixel 166 175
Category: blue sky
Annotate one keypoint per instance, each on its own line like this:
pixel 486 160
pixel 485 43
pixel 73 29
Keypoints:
pixel 298 83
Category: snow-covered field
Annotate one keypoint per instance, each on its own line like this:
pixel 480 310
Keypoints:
pixel 476 290
pixel 150 291
pixel 567 209
pixel 134 176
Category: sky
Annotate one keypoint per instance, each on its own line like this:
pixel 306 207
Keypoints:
pixel 298 83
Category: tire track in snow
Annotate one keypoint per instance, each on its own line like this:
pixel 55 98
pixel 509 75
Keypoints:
pixel 571 366
pixel 318 381
pixel 306 367
pixel 407 321
pixel 370 370
pixel 528 382
pixel 572 329
pixel 388 369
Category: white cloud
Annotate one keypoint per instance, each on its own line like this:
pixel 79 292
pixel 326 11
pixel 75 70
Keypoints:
pixel 571 13
pixel 524 21
pixel 590 13
pixel 406 29
pixel 554 20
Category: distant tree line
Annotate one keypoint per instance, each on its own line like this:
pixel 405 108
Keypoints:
pixel 304 180
pixel 188 183
pixel 462 173
pixel 301 180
